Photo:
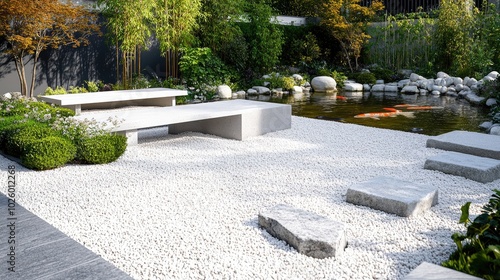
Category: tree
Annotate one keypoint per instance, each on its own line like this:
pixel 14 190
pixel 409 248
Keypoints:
pixel 129 27
pixel 347 22
pixel 174 22
pixel 31 26
pixel 264 38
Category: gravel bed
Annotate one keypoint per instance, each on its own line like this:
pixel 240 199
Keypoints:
pixel 185 206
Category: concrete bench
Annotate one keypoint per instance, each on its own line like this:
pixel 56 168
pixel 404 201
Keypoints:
pixel 473 143
pixel 393 196
pixel 115 99
pixel 480 169
pixel 234 119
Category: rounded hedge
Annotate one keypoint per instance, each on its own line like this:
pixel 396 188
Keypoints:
pixel 12 126
pixel 101 149
pixel 17 137
pixel 48 153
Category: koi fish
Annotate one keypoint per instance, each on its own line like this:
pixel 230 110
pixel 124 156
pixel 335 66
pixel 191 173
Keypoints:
pixel 341 98
pixel 424 107
pixel 392 113
pixel 404 105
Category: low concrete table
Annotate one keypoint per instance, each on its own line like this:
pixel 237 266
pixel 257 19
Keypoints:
pixel 428 271
pixel 117 98
pixel 393 196
pixel 234 119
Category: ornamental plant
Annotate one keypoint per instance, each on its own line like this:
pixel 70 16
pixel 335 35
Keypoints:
pixel 478 250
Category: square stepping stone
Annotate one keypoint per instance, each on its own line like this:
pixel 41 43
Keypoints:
pixel 476 168
pixel 473 143
pixel 393 196
pixel 309 233
pixel 429 271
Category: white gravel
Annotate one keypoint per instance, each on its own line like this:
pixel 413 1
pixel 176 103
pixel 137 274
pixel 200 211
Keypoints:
pixel 186 206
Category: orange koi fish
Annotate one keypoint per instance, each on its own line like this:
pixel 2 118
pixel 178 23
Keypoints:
pixel 341 97
pixel 392 113
pixel 404 105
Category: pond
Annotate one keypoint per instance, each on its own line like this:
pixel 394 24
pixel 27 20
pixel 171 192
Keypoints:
pixel 444 115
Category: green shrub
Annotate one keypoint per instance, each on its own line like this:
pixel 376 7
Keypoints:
pixel 48 153
pixel 57 90
pixel 92 86
pixel 366 78
pixel 18 136
pixel 101 148
pixel 5 124
pixel 478 250
pixel 73 90
pixel 339 77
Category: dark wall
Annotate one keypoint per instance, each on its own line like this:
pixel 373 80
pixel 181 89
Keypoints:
pixel 70 66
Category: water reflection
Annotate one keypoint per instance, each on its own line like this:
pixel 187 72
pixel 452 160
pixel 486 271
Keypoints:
pixel 455 114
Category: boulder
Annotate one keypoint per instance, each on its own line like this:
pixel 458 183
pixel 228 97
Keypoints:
pixel 224 92
pixel 378 87
pixel 471 82
pixel 353 86
pixel 495 130
pixel 297 77
pixel 379 82
pixel 493 74
pixel 435 92
pixel 486 125
pixel 239 94
pixel 297 89
pixel 252 92
pixel 415 77
pixel 488 79
pixel 366 87
pixel 405 72
pixel 324 83
pixel 458 81
pixel 491 102
pixel 473 98
pixel 410 90
pixel 391 88
pixel 442 75
pixel 449 81
pixel 459 87
pixel 403 83
pixel 423 91
pixel 262 90
pixel 310 234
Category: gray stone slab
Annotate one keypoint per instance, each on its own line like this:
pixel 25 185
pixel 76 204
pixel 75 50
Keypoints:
pixel 476 168
pixel 393 196
pixel 473 143
pixel 428 271
pixel 44 252
pixel 310 234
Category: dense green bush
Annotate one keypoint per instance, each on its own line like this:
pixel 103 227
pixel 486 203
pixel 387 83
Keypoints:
pixel 5 124
pixel 478 250
pixel 21 134
pixel 365 78
pixel 276 80
pixel 339 77
pixel 57 90
pixel 48 153
pixel 101 149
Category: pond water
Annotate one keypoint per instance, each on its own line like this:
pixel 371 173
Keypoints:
pixel 447 114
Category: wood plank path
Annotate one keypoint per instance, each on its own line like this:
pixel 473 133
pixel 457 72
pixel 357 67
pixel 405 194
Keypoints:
pixel 43 252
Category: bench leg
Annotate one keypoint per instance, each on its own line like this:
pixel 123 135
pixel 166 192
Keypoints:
pixel 77 108
pixel 132 137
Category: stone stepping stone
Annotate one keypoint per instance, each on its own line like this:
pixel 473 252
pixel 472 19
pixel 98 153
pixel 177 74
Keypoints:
pixel 473 143
pixel 393 196
pixel 428 271
pixel 310 234
pixel 476 168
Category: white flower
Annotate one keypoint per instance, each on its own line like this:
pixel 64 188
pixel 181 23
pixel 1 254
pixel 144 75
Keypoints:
pixel 47 117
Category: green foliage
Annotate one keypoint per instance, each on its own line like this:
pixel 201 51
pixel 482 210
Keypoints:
pixel 478 250
pixel 491 89
pixel 276 80
pixel 339 77
pixel 365 78
pixel 92 86
pixel 57 90
pixel 101 149
pixel 203 71
pixel 73 90
pixel 264 38
pixel 48 153
pixel 18 136
pixel 6 126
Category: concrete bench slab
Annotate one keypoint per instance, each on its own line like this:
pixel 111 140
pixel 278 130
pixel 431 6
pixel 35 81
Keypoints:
pixel 428 271
pixel 234 119
pixel 310 234
pixel 115 99
pixel 473 143
pixel 476 168
pixel 393 196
